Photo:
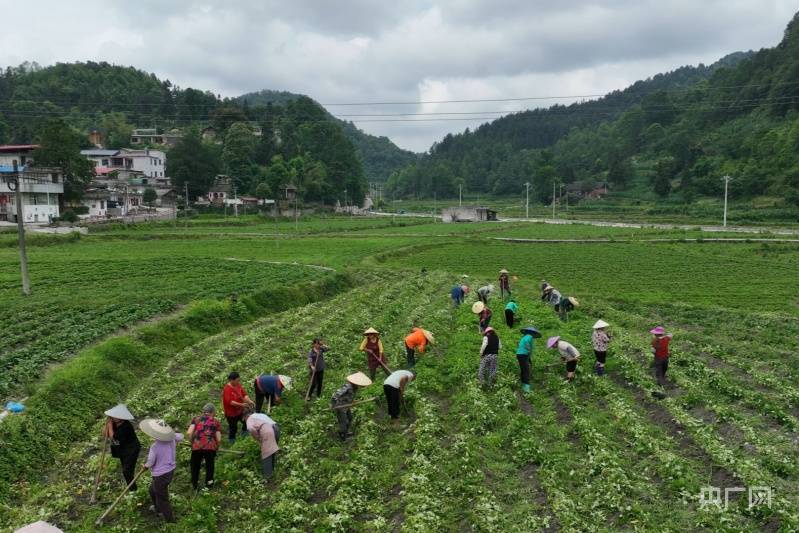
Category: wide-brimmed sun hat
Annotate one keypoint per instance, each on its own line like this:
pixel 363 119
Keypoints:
pixel 548 288
pixel 157 429
pixel 659 330
pixel 371 331
pixel 552 341
pixel 488 330
pixel 285 381
pixel 491 287
pixel 600 324
pixel 477 307
pixel 429 336
pixel 575 302
pixel 359 379
pixel 530 330
pixel 120 411
pixel 503 271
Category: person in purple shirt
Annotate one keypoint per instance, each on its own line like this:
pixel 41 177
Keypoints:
pixel 161 463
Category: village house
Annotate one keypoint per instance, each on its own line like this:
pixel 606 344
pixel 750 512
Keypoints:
pixel 151 136
pixel 151 163
pixel 467 214
pixel 42 188
pixel 219 192
pixel 587 190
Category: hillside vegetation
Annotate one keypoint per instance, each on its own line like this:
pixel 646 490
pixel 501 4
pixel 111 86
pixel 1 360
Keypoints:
pixel 678 132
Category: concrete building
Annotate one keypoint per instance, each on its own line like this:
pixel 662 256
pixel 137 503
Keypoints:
pixel 151 163
pixel 42 189
pixel 467 214
pixel 151 136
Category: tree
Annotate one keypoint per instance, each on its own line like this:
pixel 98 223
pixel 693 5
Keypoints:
pixel 237 155
pixel 664 173
pixel 193 162
pixel 150 196
pixel 60 147
pixel 117 129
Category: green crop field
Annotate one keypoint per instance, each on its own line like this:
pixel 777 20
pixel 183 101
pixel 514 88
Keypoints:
pixel 599 454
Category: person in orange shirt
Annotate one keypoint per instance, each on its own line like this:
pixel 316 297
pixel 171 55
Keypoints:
pixel 417 339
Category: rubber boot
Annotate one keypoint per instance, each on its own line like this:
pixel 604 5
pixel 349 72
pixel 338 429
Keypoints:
pixel 598 369
pixel 601 370
pixel 525 387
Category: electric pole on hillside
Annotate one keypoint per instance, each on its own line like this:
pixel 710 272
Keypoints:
pixel 15 184
pixel 460 195
pixel 186 206
pixel 554 184
pixel 726 187
pixel 527 200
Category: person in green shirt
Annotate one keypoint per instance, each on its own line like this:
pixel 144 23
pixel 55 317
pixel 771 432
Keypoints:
pixel 510 312
pixel 524 353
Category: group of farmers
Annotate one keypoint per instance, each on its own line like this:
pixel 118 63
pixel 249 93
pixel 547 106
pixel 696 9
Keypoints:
pixel 563 305
pixel 204 432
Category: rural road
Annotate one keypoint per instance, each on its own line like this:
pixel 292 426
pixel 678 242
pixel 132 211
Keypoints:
pixel 641 225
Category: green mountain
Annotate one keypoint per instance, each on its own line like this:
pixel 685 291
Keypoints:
pixel 676 132
pixel 380 156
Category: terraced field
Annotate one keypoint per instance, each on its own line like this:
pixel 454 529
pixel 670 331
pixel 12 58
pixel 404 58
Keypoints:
pixel 600 454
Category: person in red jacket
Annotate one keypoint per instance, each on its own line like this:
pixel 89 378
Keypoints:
pixel 660 348
pixel 234 400
pixel 418 339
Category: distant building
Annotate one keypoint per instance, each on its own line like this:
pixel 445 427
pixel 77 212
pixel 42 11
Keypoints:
pixel 467 214
pixel 151 163
pixel 151 136
pixel 219 192
pixel 587 190
pixel 42 191
pixel 16 153
pixel 97 137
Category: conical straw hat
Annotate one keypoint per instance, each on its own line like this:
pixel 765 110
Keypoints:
pixel 120 411
pixel 575 302
pixel 360 379
pixel 371 331
pixel 157 429
pixel 285 381
pixel 600 324
pixel 477 307
pixel 429 336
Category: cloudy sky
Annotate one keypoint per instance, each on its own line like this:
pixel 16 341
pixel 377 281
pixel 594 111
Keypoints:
pixel 363 51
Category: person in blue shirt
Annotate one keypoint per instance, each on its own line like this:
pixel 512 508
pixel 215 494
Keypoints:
pixel 524 354
pixel 510 312
pixel 457 295
pixel 270 386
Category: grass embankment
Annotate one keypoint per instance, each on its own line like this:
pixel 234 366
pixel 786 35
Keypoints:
pixel 67 402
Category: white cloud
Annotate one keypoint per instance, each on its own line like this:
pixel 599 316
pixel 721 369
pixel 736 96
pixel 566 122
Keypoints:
pixel 361 50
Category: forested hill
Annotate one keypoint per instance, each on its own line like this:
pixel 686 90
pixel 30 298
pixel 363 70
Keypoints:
pixel 380 156
pixel 671 137
pixel 498 157
pixel 118 99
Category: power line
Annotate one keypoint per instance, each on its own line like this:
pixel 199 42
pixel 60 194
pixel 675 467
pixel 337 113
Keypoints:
pixel 218 103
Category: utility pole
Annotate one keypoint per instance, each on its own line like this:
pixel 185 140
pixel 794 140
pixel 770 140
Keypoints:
pixel 527 201
pixel 23 254
pixel 235 202
pixel 726 187
pixel 186 206
pixel 435 206
pixel 460 195
pixel 553 199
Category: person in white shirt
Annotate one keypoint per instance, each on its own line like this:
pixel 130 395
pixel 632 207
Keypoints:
pixel 394 389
